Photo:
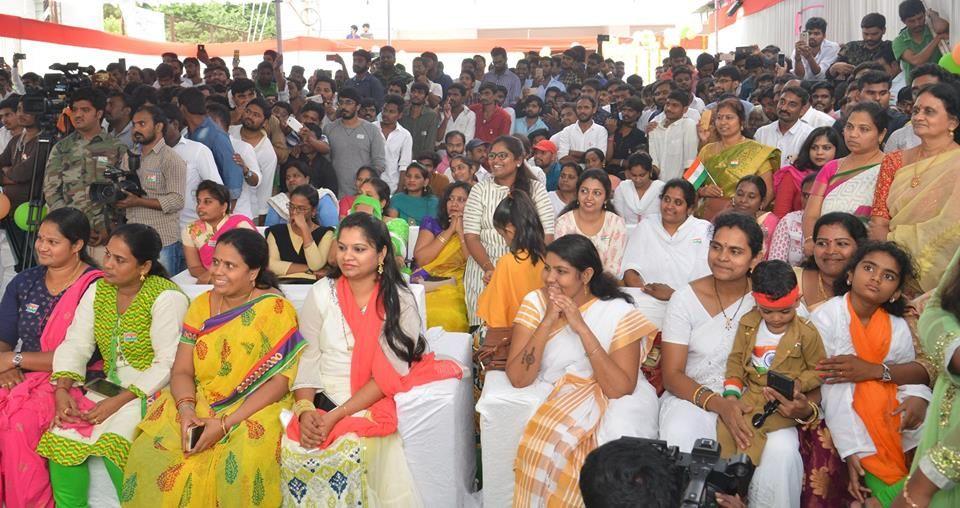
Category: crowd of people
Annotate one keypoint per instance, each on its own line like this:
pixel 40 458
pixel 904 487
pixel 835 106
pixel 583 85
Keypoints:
pixel 771 212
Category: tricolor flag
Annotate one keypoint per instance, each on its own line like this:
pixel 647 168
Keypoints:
pixel 696 174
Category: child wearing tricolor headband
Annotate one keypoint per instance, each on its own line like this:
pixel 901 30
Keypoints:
pixel 770 337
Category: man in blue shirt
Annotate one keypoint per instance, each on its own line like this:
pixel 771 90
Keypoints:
pixel 365 83
pixel 202 130
pixel 501 75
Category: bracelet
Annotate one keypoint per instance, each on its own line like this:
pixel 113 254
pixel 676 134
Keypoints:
pixel 303 406
pixel 814 416
pixel 696 394
pixel 441 239
pixel 706 400
pixel 906 495
pixel 598 348
pixel 223 425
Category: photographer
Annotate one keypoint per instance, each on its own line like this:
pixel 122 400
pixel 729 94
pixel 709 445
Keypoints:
pixel 162 174
pixel 78 160
pixel 16 171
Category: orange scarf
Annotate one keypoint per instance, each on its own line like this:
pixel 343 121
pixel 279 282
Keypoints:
pixel 874 401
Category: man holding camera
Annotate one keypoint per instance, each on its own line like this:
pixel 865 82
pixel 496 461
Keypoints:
pixel 80 159
pixel 163 176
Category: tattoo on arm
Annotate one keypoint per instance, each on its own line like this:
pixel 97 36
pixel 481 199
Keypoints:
pixel 528 358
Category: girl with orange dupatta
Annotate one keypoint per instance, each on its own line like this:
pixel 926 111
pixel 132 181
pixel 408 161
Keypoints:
pixel 364 346
pixel 231 378
pixel 874 413
pixel 37 308
pixel 578 343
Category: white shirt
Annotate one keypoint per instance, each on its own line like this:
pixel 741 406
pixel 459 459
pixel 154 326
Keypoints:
pixel 825 58
pixel 789 143
pixel 903 138
pixel 267 160
pixel 672 260
pixel 248 193
pixel 573 138
pixel 534 169
pixel 466 123
pixel 698 104
pixel 689 113
pixel 816 118
pixel 5 137
pixel 200 166
pixel 633 207
pixel 674 148
pixel 398 153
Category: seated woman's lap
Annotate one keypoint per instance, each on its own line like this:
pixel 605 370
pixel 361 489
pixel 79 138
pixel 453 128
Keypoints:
pixel 682 423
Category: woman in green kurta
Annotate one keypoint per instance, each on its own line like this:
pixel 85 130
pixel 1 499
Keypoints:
pixel 732 158
pixel 936 466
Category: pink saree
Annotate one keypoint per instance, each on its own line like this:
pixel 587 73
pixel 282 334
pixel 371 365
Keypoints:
pixel 27 410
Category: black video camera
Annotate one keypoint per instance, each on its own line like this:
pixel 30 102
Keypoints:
pixel 47 102
pixel 121 184
pixel 702 472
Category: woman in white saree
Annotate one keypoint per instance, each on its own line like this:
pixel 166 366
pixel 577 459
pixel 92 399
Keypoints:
pixel 639 197
pixel 579 342
pixel 698 333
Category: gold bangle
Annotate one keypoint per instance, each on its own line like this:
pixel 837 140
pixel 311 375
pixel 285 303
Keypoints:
pixel 303 406
pixel 696 395
pixel 223 425
pixel 707 400
pixel 814 416
pixel 441 239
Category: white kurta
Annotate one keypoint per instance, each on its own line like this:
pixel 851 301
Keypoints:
pixel 672 260
pixel 248 193
pixel 850 435
pixel 267 161
pixel 633 207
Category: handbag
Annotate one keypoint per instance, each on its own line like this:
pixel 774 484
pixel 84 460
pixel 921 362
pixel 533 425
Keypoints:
pixel 494 348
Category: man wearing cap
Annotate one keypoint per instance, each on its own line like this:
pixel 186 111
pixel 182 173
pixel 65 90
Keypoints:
pixel 365 84
pixel 545 155
pixel 354 142
pixel 477 150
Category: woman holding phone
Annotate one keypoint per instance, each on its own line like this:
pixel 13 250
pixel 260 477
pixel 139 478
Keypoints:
pixel 132 316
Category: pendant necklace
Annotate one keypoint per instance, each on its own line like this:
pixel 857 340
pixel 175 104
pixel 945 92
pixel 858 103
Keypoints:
pixel 728 321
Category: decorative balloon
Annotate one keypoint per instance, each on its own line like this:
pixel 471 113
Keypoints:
pixel 947 62
pixel 956 53
pixel 21 217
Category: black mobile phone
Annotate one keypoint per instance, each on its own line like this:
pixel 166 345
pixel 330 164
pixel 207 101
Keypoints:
pixel 123 65
pixel 781 59
pixel 782 384
pixel 200 48
pixel 321 401
pixel 104 387
pixel 195 433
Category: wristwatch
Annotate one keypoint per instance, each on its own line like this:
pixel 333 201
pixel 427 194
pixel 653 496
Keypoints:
pixel 17 359
pixel 886 377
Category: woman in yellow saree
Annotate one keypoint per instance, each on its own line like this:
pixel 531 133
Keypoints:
pixel 442 256
pixel 918 204
pixel 732 158
pixel 231 377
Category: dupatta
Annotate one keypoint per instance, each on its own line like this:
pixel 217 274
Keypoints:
pixel 369 362
pixel 207 249
pixel 36 391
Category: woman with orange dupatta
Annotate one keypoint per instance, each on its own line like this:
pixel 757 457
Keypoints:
pixel 873 406
pixel 363 347
pixel 37 308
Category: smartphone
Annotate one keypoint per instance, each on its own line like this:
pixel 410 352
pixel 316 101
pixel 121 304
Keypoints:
pixel 195 433
pixel 321 401
pixel 19 57
pixel 805 37
pixel 781 59
pixel 294 124
pixel 331 58
pixel 123 65
pixel 104 387
pixel 781 383
pixel 200 48
pixel 705 118
pixel 236 58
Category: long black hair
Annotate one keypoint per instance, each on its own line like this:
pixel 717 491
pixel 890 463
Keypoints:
pixel 145 244
pixel 580 252
pixel 803 161
pixel 443 217
pixel 604 179
pixel 518 210
pixel 408 349
pixel 904 262
pixel 524 180
pixel 75 227
pixel 851 223
pixel 252 247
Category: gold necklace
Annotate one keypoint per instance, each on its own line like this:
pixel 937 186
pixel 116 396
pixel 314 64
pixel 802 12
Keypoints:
pixel 915 181
pixel 222 298
pixel 73 277
pixel 728 320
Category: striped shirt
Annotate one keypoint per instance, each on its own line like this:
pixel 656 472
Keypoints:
pixel 163 175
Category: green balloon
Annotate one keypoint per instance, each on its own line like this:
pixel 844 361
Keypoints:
pixel 948 63
pixel 21 216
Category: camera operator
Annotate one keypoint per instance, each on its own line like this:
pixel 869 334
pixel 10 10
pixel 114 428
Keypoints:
pixel 16 171
pixel 163 176
pixel 628 472
pixel 80 159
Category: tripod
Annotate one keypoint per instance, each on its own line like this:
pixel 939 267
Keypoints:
pixel 22 245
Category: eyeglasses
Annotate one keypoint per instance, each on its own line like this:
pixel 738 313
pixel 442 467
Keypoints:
pixel 298 209
pixel 498 155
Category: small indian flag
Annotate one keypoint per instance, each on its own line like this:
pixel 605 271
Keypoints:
pixel 696 174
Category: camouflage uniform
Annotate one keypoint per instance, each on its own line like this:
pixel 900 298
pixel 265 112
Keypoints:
pixel 74 164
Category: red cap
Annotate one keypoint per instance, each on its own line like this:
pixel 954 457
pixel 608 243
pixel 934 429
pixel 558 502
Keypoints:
pixel 545 145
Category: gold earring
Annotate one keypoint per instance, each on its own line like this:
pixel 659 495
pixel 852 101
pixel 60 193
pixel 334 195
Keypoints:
pixel 143 277
pixel 380 268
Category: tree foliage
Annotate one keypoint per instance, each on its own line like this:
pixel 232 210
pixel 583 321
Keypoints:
pixel 208 22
